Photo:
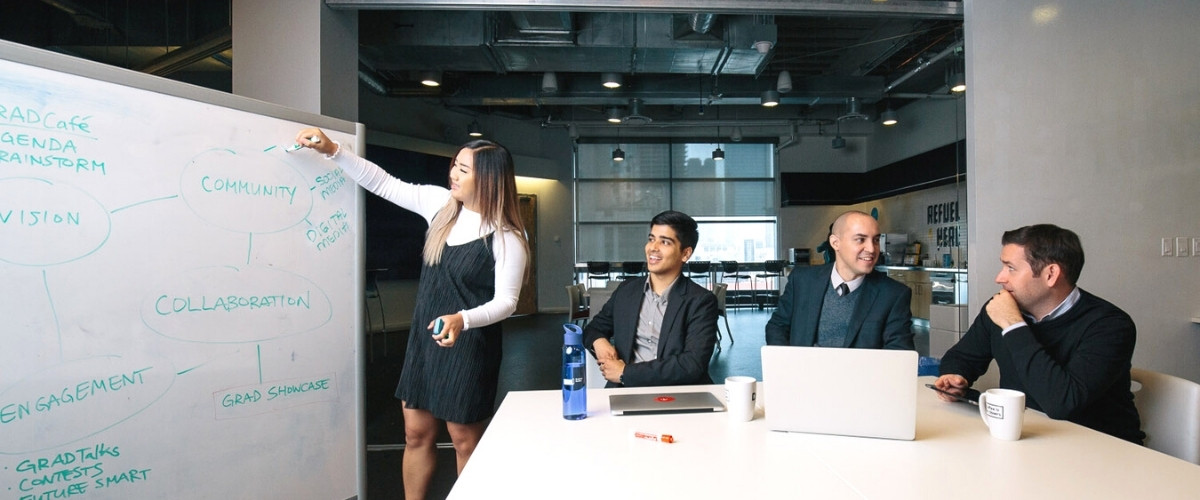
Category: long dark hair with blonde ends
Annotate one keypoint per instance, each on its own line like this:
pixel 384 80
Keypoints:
pixel 495 188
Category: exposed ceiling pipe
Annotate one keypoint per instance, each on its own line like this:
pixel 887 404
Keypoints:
pixel 792 124
pixel 81 15
pixel 371 80
pixel 792 141
pixel 924 9
pixel 920 67
pixel 175 60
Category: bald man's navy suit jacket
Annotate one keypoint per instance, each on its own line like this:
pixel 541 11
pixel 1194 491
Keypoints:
pixel 881 320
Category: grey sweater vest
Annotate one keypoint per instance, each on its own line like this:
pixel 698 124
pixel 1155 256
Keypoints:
pixel 835 317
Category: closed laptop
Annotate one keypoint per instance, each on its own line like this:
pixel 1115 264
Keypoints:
pixel 657 403
pixel 849 392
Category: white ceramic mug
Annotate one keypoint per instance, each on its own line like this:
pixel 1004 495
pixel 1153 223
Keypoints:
pixel 1003 410
pixel 740 393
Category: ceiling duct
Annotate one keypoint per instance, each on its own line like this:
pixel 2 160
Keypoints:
pixel 702 23
pixel 853 111
pixel 81 15
pixel 635 116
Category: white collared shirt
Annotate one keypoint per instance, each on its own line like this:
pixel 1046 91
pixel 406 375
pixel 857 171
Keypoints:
pixel 853 284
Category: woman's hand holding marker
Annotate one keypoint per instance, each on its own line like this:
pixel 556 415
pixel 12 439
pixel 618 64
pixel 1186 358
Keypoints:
pixel 316 140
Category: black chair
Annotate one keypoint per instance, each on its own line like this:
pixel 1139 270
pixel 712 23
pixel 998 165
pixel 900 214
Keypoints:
pixel 631 269
pixel 719 292
pixel 598 270
pixel 772 269
pixel 372 294
pixel 579 308
pixel 729 270
pixel 699 269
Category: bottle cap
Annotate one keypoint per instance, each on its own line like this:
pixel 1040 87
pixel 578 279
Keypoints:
pixel 572 335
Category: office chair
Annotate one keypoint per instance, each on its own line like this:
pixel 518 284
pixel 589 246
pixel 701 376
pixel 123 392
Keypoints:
pixel 579 309
pixel 631 269
pixel 699 269
pixel 729 269
pixel 598 270
pixel 372 294
pixel 771 269
pixel 719 291
pixel 1169 407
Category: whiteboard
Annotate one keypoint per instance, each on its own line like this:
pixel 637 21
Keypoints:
pixel 180 311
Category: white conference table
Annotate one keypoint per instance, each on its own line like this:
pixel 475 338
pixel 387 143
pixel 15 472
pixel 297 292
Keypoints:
pixel 530 451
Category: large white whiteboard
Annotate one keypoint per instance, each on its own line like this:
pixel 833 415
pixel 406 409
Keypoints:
pixel 179 297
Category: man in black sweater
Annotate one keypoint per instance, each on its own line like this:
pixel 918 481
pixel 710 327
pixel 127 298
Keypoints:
pixel 1069 351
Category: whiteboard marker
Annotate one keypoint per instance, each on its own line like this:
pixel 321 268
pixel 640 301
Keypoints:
pixel 662 438
pixel 314 139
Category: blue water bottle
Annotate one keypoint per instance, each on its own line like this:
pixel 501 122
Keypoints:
pixel 574 374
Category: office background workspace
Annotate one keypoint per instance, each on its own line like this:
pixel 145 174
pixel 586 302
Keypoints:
pixel 1030 158
pixel 1076 117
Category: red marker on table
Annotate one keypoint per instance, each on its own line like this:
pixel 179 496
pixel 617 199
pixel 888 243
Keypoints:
pixel 662 438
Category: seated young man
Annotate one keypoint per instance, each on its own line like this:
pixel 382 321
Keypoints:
pixel 659 329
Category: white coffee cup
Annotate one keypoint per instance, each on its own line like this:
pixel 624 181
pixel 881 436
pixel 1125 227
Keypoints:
pixel 740 394
pixel 1003 410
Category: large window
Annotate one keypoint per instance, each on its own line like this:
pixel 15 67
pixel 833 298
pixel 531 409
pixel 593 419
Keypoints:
pixel 733 200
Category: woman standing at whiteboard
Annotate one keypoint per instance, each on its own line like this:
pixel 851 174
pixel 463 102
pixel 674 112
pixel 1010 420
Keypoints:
pixel 474 262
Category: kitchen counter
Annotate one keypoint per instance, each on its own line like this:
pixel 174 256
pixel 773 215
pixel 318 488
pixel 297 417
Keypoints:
pixel 921 268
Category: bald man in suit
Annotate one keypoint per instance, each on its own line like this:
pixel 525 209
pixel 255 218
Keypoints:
pixel 846 303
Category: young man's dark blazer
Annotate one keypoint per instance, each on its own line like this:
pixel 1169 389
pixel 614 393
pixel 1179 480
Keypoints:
pixel 685 343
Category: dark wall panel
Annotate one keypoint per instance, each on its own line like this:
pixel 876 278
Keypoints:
pixel 933 168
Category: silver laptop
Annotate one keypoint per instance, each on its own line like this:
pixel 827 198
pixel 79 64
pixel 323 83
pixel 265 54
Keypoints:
pixel 655 403
pixel 849 392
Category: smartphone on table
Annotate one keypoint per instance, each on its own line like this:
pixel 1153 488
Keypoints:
pixel 969 395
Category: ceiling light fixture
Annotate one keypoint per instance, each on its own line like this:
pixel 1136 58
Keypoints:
pixel 614 115
pixel 736 136
pixel 549 82
pixel 888 117
pixel 763 46
pixel 956 78
pixel 611 80
pixel 473 129
pixel 770 98
pixel 431 78
pixel 717 154
pixel 618 155
pixel 958 83
pixel 784 85
pixel 838 141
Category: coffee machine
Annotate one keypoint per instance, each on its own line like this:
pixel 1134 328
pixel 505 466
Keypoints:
pixel 892 247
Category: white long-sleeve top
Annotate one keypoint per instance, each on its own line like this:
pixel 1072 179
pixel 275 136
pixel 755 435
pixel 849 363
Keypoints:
pixel 426 200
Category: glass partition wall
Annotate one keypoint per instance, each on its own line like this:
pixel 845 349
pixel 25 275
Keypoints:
pixel 734 200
